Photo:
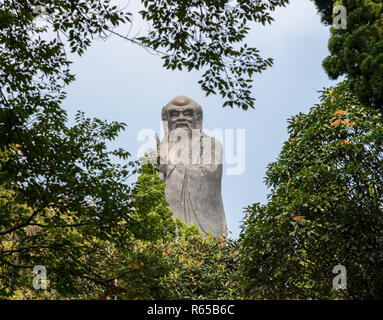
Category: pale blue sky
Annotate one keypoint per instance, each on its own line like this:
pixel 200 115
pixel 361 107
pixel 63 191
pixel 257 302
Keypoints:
pixel 119 81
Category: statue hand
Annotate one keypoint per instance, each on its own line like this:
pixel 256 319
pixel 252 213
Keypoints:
pixel 158 145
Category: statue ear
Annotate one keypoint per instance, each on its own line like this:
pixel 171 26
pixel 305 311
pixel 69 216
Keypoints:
pixel 164 114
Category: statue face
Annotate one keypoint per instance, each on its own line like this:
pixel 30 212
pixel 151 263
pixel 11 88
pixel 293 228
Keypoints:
pixel 182 117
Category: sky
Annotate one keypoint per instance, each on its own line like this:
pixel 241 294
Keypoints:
pixel 118 81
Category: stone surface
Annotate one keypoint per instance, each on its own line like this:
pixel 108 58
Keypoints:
pixel 190 163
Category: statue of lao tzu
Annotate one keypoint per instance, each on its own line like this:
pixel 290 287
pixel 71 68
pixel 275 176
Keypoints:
pixel 190 164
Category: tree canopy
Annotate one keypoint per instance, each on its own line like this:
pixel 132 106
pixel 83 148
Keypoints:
pixel 211 34
pixel 357 51
pixel 324 209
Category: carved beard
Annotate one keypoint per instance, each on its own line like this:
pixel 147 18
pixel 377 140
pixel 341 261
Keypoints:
pixel 183 143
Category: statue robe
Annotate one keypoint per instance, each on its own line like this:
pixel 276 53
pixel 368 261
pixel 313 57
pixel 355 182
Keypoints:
pixel 193 190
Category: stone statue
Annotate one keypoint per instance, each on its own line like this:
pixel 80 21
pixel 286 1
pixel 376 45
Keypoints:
pixel 190 164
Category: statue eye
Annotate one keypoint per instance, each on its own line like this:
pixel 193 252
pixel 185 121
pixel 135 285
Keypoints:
pixel 173 114
pixel 188 113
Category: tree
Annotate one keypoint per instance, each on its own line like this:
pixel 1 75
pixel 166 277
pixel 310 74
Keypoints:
pixel 357 52
pixel 152 217
pixel 209 34
pixel 56 178
pixel 325 207
pixel 190 266
pixel 325 9
pixel 61 240
pixel 82 263
pixel 201 267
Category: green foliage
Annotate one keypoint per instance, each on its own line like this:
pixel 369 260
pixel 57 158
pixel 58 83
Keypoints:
pixel 325 207
pixel 188 266
pixel 325 8
pixel 63 187
pixel 152 217
pixel 69 195
pixel 210 34
pixel 144 258
pixel 84 259
pixel 357 52
pixel 201 267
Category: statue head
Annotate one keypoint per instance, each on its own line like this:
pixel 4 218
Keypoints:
pixel 182 112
